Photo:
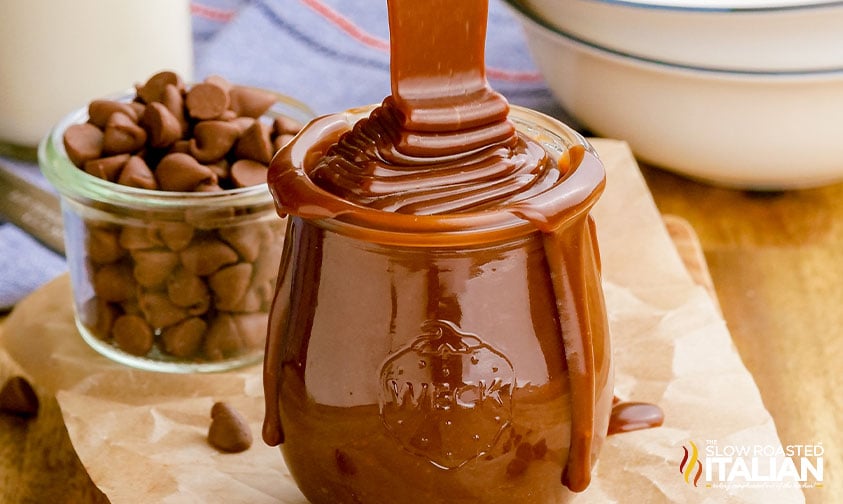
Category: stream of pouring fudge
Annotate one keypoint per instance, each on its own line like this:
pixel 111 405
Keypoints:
pixel 440 145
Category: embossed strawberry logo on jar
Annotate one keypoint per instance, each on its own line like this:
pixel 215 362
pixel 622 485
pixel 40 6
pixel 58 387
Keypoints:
pixel 447 396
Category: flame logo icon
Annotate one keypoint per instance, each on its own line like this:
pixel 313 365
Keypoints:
pixel 690 463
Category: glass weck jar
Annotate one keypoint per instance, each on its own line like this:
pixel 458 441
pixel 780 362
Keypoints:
pixel 439 358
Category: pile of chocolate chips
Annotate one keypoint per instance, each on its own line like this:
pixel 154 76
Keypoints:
pixel 208 137
pixel 190 292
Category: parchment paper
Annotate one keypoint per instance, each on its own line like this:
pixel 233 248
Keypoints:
pixel 142 435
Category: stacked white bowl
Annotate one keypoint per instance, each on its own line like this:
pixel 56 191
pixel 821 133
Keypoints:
pixel 740 93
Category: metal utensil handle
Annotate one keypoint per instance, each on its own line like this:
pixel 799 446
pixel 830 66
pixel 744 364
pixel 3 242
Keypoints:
pixel 32 209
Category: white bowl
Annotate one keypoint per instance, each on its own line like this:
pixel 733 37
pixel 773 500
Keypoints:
pixel 745 35
pixel 742 130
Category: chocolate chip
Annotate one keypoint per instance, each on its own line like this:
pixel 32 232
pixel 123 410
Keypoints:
pixel 164 127
pixel 189 291
pixel 173 99
pixel 114 282
pixel 206 100
pixel 212 140
pixel 222 168
pixel 133 335
pixel 255 144
pixel 98 316
pixel 138 107
pixel 266 265
pixel 181 172
pixel 102 244
pixel 223 339
pixel 252 301
pixel 83 142
pixel 159 310
pixel 246 172
pixel 219 81
pixel 229 431
pixel 130 307
pixel 251 329
pixel 122 135
pixel 243 123
pixel 185 338
pixel 230 284
pixel 136 173
pixel 207 256
pixel 182 146
pixel 17 397
pixel 107 168
pixel 265 290
pixel 100 110
pixel 283 125
pixel 138 237
pixel 153 266
pixel 246 240
pixel 250 102
pixel 154 88
pixel 176 235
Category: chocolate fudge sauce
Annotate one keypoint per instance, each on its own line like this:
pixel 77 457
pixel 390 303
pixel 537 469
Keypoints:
pixel 632 416
pixel 439 162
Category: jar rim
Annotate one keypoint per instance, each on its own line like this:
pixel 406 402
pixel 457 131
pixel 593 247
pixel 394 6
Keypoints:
pixel 467 227
pixel 72 182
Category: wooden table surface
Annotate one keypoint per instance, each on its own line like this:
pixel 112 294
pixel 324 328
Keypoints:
pixel 776 261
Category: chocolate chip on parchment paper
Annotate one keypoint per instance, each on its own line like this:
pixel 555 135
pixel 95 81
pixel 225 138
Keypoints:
pixel 229 431
pixel 17 397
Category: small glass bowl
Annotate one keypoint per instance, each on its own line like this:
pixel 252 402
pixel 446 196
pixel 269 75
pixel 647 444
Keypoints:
pixel 168 281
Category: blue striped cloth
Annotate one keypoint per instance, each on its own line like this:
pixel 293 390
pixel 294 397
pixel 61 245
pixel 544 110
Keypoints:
pixel 333 54
pixel 330 54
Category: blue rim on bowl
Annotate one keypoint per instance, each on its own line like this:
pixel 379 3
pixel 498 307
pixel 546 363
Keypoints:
pixel 724 5
pixel 528 15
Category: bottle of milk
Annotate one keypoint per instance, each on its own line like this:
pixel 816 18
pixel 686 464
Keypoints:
pixel 57 55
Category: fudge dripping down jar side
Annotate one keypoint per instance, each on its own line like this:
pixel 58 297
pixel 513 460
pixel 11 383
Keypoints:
pixel 448 358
